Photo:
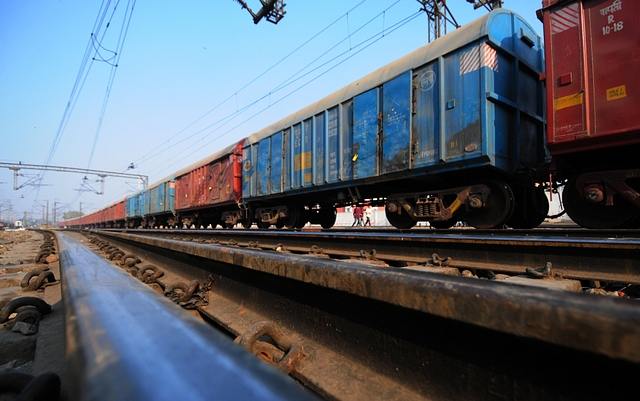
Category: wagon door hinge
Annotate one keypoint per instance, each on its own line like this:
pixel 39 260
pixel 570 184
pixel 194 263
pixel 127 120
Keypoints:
pixel 414 97
pixel 414 150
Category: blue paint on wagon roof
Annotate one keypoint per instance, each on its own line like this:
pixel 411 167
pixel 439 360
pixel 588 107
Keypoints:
pixel 488 25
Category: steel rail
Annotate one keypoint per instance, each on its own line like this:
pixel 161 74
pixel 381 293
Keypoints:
pixel 613 324
pixel 126 342
pixel 575 257
pixel 371 332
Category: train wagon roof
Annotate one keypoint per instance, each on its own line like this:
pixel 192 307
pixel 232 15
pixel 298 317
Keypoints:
pixel 161 181
pixel 226 151
pixel 450 42
pixel 189 168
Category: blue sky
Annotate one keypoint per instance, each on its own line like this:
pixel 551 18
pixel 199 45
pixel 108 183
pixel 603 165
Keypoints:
pixel 192 77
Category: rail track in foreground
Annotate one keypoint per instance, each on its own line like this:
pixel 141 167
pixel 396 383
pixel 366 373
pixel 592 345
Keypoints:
pixel 365 328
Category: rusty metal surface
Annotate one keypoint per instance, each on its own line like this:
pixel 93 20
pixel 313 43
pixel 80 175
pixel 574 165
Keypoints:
pixel 603 325
pixel 125 342
pixel 575 255
pixel 378 333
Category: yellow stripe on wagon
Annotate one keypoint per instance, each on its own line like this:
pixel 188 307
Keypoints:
pixel 568 101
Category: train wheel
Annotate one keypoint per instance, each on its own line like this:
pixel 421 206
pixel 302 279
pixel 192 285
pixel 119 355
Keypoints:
pixel 496 211
pixel 400 221
pixel 530 212
pixel 596 215
pixel 329 215
pixel 293 217
pixel 263 225
pixel 247 222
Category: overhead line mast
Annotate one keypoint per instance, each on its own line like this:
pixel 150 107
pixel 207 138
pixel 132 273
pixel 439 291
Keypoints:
pixel 439 14
pixel 272 10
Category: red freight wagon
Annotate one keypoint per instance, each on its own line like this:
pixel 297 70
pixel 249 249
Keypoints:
pixel 114 215
pixel 108 214
pixel 120 211
pixel 211 188
pixel 593 94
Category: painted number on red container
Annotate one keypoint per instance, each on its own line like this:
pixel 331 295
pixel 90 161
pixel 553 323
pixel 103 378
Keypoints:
pixel 609 12
pixel 614 28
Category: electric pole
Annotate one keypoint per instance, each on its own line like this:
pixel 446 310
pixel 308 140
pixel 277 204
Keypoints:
pixel 439 16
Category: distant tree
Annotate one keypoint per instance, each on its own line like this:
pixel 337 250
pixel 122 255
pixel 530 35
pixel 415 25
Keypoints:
pixel 72 214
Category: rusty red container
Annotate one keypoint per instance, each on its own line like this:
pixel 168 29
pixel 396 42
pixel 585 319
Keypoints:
pixel 214 181
pixel 593 59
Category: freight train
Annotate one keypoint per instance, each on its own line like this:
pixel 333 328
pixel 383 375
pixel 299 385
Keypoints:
pixel 593 93
pixel 461 129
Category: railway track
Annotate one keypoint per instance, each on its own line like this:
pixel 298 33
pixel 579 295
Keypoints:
pixel 400 323
pixel 571 254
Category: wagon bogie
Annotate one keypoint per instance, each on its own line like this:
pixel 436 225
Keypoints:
pixel 486 205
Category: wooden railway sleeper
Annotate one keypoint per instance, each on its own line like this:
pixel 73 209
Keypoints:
pixel 292 349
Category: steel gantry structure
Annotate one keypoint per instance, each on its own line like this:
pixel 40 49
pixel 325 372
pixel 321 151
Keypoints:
pixel 100 173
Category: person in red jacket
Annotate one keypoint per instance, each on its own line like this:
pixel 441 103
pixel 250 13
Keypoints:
pixel 357 217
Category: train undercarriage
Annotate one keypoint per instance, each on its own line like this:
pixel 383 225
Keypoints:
pixel 487 204
pixel 604 198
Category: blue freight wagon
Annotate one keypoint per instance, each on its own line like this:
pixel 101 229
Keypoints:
pixel 159 203
pixel 135 209
pixel 453 131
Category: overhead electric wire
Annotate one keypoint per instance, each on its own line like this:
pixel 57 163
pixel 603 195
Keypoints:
pixel 350 34
pixel 153 151
pixel 85 68
pixel 226 119
pixel 397 25
pixel 112 75
pixel 80 77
